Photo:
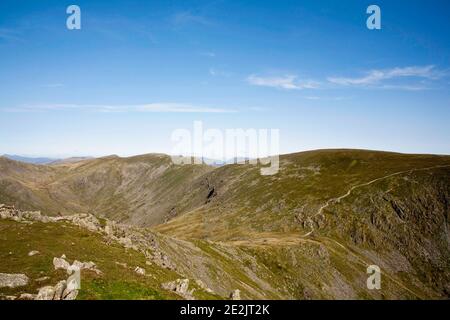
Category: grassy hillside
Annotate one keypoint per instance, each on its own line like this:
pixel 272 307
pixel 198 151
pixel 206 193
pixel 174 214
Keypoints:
pixel 308 232
pixel 246 202
pixel 379 208
pixel 295 269
pixel 142 190
pixel 54 240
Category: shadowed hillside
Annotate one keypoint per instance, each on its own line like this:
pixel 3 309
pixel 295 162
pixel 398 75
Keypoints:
pixel 141 190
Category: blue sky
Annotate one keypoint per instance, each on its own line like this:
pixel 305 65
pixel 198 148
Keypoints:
pixel 137 70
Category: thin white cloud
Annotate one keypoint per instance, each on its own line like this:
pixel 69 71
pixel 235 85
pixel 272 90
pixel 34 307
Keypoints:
pixel 327 98
pixel 287 82
pixel 178 107
pixel 151 107
pixel 186 17
pixel 412 78
pixel 219 73
pixel 417 87
pixel 208 54
pixel 53 85
pixel 9 34
pixel 376 77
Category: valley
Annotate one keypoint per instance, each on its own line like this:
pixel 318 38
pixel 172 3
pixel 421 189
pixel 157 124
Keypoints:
pixel 308 232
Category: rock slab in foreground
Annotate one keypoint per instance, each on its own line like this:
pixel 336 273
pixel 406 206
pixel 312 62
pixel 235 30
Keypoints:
pixel 13 280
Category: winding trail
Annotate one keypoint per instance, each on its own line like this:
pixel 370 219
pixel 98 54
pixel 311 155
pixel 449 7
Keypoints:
pixel 349 192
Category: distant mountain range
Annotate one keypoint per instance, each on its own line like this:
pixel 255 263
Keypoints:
pixel 29 159
pixel 44 160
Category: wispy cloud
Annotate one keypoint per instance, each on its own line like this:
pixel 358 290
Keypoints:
pixel 151 107
pixel 377 77
pixel 208 54
pixel 406 87
pixel 187 17
pixel 412 78
pixel 53 85
pixel 9 34
pixel 219 73
pixel 327 98
pixel 287 82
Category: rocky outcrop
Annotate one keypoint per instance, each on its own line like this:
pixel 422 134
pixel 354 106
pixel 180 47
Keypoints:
pixel 235 295
pixel 86 221
pixel 46 293
pixel 61 263
pixel 86 266
pixel 129 237
pixel 27 296
pixel 42 279
pixel 13 280
pixel 83 220
pixel 140 271
pixel 10 212
pixel 203 286
pixel 180 287
pixel 59 289
pixel 139 240
pixel 63 290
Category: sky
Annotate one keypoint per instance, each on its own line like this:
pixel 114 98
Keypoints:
pixel 138 70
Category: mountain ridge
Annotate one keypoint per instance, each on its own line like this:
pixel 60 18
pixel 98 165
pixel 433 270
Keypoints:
pixel 309 231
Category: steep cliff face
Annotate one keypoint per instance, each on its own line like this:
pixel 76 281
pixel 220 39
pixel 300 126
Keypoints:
pixel 406 216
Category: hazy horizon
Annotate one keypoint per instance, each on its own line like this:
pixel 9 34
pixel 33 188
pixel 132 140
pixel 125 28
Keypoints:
pixel 62 157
